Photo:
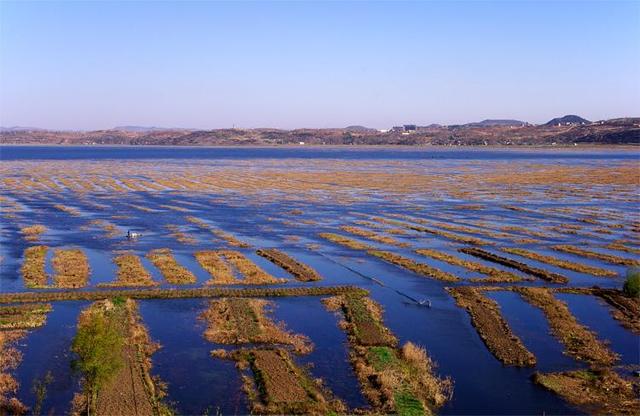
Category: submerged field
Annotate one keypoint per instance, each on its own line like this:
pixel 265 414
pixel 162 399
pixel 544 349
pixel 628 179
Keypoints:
pixel 317 281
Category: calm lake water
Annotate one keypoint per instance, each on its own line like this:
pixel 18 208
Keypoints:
pixel 198 383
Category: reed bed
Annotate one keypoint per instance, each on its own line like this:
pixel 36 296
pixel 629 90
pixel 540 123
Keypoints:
pixel 609 258
pixel 27 316
pixel 300 271
pixel 578 340
pixel 221 273
pixel 231 240
pixel 247 321
pixel 109 229
pixel 69 210
pixel 32 233
pixel 493 275
pixel 449 236
pixel 525 268
pixel 279 386
pixel 393 380
pixel 409 264
pixel 618 246
pixel 345 241
pixel 11 358
pixel 494 331
pixel 414 266
pixel 33 267
pixel 131 272
pixel 253 274
pixel 597 391
pixel 625 309
pixel 554 261
pixel 171 270
pixel 71 268
pixel 373 236
pixel 179 235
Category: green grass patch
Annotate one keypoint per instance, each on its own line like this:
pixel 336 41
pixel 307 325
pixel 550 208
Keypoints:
pixel 408 405
pixel 382 357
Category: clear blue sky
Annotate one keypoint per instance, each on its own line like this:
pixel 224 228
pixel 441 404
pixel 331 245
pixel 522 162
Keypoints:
pixel 89 65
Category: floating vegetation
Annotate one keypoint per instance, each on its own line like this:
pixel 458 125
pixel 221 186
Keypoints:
pixel 345 241
pixel 299 270
pixel 173 272
pixel 609 258
pixel 373 236
pixel 450 236
pixel 576 267
pixel 175 208
pixel 244 321
pixel 416 267
pixel 68 210
pixel 71 268
pixel 493 275
pixel 393 380
pixel 492 328
pixel 619 246
pixel 221 273
pixel 11 358
pixel 33 267
pixel 578 340
pixel 131 272
pixel 253 274
pixel 597 391
pixel 114 352
pixel 398 260
pixel 534 271
pixel 625 309
pixel 179 235
pixel 26 316
pixel 32 232
pixel 231 240
pixel 279 386
pixel 109 229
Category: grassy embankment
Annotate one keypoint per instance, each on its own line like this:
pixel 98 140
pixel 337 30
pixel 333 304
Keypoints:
pixel 114 349
pixel 394 380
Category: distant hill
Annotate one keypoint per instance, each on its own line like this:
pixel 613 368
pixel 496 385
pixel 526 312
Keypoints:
pixel 143 129
pixel 568 119
pixel 615 131
pixel 358 128
pixel 492 123
pixel 20 128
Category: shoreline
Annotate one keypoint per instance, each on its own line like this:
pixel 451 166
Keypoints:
pixel 591 146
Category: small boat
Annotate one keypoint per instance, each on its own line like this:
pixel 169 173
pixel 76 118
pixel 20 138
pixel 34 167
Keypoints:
pixel 132 235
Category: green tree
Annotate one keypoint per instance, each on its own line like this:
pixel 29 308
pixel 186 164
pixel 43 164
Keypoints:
pixel 98 344
pixel 632 284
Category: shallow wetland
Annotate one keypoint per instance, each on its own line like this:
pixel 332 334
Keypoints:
pixel 318 280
